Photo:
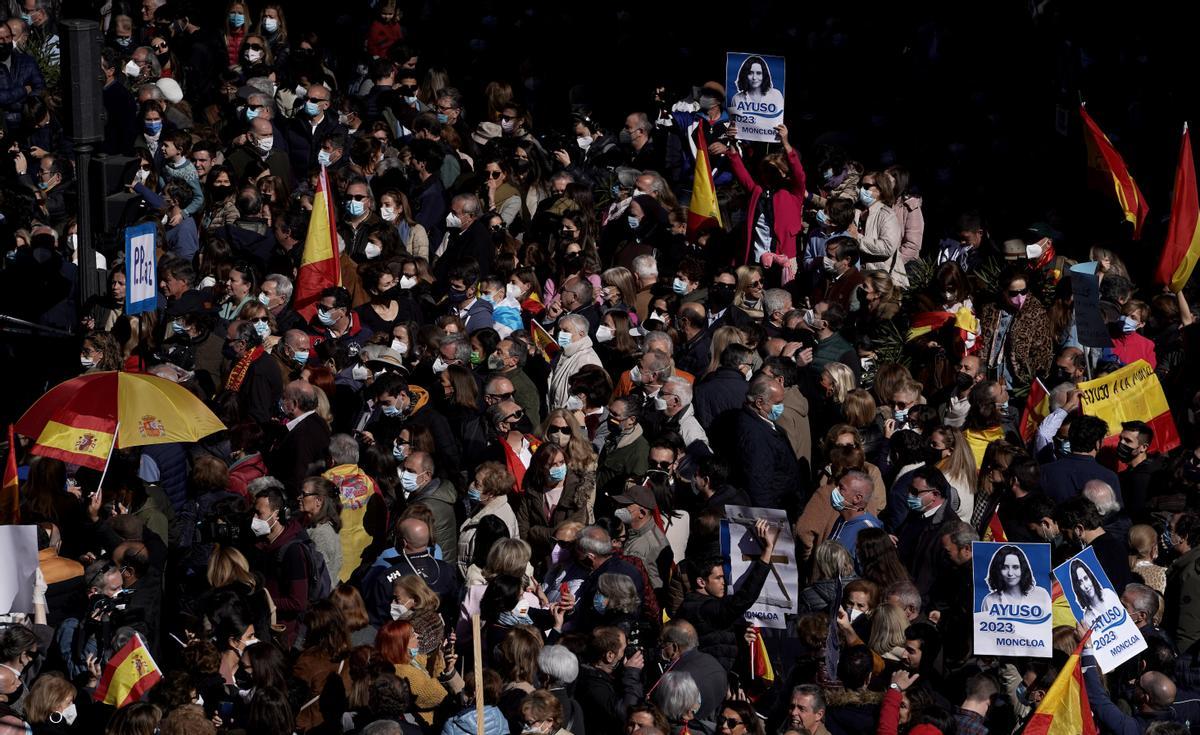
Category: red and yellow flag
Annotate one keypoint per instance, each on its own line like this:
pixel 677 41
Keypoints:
pixel 760 661
pixel 703 209
pixel 83 440
pixel 320 265
pixel 128 676
pixel 1037 408
pixel 1103 158
pixel 1129 394
pixel 10 491
pixel 1065 710
pixel 1182 248
pixel 995 529
pixel 542 341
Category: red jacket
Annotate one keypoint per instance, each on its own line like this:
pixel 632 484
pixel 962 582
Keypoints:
pixel 244 471
pixel 788 205
pixel 381 37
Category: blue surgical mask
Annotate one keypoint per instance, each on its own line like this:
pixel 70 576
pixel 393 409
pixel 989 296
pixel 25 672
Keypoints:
pixel 262 328
pixel 301 356
pixel 679 286
pixel 564 339
pixel 914 502
pixel 558 473
pixel 864 197
pixel 633 222
pixel 408 480
pixel 837 500
pixel 900 414
pixel 776 411
pixel 177 327
pixel 414 652
pixel 270 25
pixel 828 175
pixel 251 113
pixel 822 217
pixel 1128 324
pixel 237 20
pixel 324 159
pixel 311 109
pixel 326 317
pixel 391 411
pixel 153 127
pixel 354 207
pixel 474 494
pixel 443 118
pixel 488 298
pixel 600 603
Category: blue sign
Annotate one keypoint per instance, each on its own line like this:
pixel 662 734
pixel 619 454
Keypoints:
pixel 1012 599
pixel 754 86
pixel 1093 600
pixel 141 269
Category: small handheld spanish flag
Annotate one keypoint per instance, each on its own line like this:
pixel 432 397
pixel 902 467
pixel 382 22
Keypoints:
pixel 760 662
pixel 128 675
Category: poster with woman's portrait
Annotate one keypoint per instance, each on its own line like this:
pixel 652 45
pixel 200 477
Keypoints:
pixel 1012 599
pixel 754 86
pixel 1095 603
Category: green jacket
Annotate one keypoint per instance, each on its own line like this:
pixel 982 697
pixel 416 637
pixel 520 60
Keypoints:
pixel 525 393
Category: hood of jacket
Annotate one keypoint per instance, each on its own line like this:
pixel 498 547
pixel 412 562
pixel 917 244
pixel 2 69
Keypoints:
pixel 436 490
pixel 494 722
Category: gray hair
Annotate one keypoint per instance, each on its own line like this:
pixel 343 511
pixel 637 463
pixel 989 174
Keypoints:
pixel 641 122
pixel 155 67
pixel 519 350
pixel 558 664
pixel 906 592
pixel 961 535
pixel 462 348
pixel 154 91
pixel 1142 598
pixel 470 204
pixel 832 560
pixel 645 266
pixel 283 286
pixel 594 540
pixel 1102 496
pixel 258 484
pixel 1060 393
pixel 574 323
pixel 775 299
pixel 683 389
pixel 343 449
pixel 814 691
pixel 622 595
pixel 382 727
pixel 658 365
pixel 658 184
pixel 657 337
pixel 677 695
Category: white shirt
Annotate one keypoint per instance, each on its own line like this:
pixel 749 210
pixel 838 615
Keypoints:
pixel 294 422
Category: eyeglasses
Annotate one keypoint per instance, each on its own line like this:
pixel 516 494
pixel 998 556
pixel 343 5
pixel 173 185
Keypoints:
pixel 501 396
pixel 497 228
pixel 495 174
pixel 1013 292
pixel 357 197
pixel 730 722
pixel 318 100
pixel 515 416
pixel 310 495
pixel 255 107
pixel 160 47
pixel 446 108
pixel 755 284
pixel 564 430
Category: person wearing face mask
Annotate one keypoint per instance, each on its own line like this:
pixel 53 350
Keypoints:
pixel 1065 478
pixel 760 450
pixel 576 353
pixel 22 79
pixel 283 559
pixel 1142 467
pixel 508 360
pixel 260 146
pixel 50 707
pixel 839 278
pixel 929 515
pixel 967 375
pixel 335 320
pixel 419 485
pixel 877 229
pixel 849 499
pixel 1013 331
pixel 411 556
pixel 310 127
pixel 469 236
pixel 625 451
pixel 645 541
pixel 825 320
pixel 487 496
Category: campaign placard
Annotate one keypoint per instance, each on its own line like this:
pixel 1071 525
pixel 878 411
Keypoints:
pixel 141 269
pixel 754 86
pixel 780 594
pixel 1094 601
pixel 1012 599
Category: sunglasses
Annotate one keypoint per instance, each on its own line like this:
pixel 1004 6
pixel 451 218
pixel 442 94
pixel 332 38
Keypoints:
pixel 495 174
pixel 730 722
pixel 497 228
pixel 510 118
pixel 1018 292
pixel 564 430
pixel 357 197
pixel 501 396
pixel 664 466
pixel 145 167
pixel 868 184
pixel 317 100
pixel 256 46
pixel 160 47
pixel 755 284
pixel 260 320
pixel 255 107
pixel 515 416
pixel 407 89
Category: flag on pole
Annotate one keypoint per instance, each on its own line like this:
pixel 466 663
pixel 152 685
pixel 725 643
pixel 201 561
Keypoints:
pixel 1064 710
pixel 1182 248
pixel 1103 158
pixel 320 265
pixel 542 341
pixel 995 529
pixel 10 491
pixel 128 675
pixel 1037 408
pixel 760 660
pixel 703 209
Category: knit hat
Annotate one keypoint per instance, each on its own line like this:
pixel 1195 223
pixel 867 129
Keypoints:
pixel 486 131
pixel 171 90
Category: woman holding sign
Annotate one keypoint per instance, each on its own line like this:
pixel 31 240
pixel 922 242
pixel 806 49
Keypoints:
pixel 1010 577
pixel 1093 597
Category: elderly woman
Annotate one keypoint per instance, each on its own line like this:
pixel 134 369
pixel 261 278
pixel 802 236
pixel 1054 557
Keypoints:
pixel 415 603
pixel 678 696
pixel 321 503
pixel 542 712
pixel 488 496
pixel 617 601
pixel 50 705
pixel 560 669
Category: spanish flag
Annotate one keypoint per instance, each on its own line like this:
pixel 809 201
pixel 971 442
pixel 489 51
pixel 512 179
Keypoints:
pixel 1060 609
pixel 760 661
pixel 319 266
pixel 703 209
pixel 128 675
pixel 1064 710
pixel 83 440
pixel 1103 158
pixel 1182 248
pixel 931 321
pixel 542 341
pixel 995 529
pixel 1037 408
pixel 10 491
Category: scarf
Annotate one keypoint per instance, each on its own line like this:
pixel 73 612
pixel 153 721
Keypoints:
pixel 238 373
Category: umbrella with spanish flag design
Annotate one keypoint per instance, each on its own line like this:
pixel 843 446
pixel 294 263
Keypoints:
pixel 79 420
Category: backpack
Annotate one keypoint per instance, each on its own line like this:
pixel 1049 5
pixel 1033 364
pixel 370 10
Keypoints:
pixel 319 587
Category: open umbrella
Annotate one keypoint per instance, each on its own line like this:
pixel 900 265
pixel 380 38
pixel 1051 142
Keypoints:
pixel 78 421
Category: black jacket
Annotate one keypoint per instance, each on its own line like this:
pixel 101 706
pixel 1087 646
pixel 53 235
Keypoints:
pixel 303 142
pixel 606 698
pixel 919 544
pixel 718 620
pixel 764 462
pixel 721 391
pixel 303 445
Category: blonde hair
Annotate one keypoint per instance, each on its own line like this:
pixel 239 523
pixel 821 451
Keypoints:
pixel 415 587
pixel 888 624
pixel 832 560
pixel 508 556
pixel 622 279
pixel 959 468
pixel 723 337
pixel 1116 266
pixel 843 380
pixel 859 408
pixel 580 454
pixel 226 566
pixel 46 694
pixel 1143 540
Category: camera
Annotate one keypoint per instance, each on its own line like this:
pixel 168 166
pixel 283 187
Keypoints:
pixel 220 531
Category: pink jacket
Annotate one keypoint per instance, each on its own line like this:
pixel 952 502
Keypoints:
pixel 788 206
pixel 912 225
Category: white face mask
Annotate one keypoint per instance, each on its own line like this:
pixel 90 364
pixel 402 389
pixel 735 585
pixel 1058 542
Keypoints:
pixel 387 213
pixel 400 611
pixel 401 347
pixel 87 362
pixel 360 372
pixel 132 70
pixel 574 403
pixel 513 291
pixel 266 144
pixel 68 715
pixel 142 175
pixel 372 251
pixel 253 56
pixel 440 366
pixel 604 333
pixel 260 527
pixel 453 221
pixel 407 282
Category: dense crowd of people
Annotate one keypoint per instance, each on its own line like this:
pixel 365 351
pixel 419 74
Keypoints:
pixel 529 398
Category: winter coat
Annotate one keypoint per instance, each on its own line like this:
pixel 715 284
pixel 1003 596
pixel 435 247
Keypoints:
pixel 787 206
pixel 765 463
pixel 173 470
pixel 912 226
pixel 571 360
pixel 530 510
pixel 879 244
pixel 721 391
pixel 718 620
pixel 440 497
pixel 1028 349
pixel 498 507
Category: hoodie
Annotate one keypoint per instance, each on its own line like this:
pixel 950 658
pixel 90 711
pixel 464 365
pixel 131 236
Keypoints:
pixel 494 722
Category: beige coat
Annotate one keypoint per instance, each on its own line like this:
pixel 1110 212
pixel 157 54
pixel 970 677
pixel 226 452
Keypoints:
pixel 794 421
pixel 879 241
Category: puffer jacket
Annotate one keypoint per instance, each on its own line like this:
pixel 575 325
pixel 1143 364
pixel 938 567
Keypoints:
pixel 494 722
pixel 879 241
pixel 818 596
pixel 173 470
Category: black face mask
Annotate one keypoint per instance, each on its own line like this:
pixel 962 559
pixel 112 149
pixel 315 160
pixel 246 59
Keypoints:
pixel 933 456
pixel 572 261
pixel 243 680
pixel 1124 452
pixel 963 381
pixel 5 51
pixel 524 425
pixel 720 296
pixel 457 297
pixel 228 352
pixel 221 191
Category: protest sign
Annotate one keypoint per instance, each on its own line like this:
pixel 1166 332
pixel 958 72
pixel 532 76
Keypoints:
pixel 779 595
pixel 1129 394
pixel 1012 599
pixel 1115 638
pixel 18 567
pixel 141 271
pixel 754 85
pixel 1085 290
